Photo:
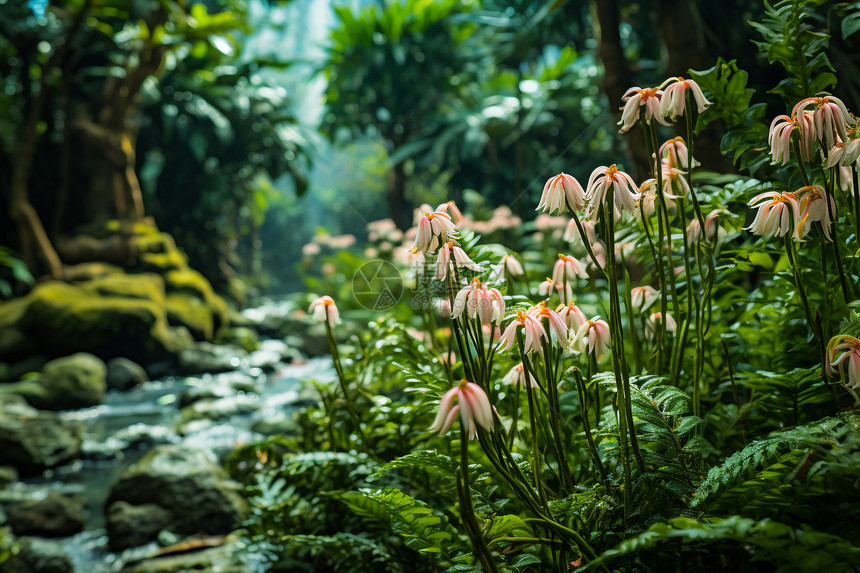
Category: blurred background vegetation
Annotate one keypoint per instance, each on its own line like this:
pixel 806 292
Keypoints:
pixel 243 128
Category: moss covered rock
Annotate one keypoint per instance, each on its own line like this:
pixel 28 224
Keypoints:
pixel 184 309
pixel 189 282
pixel 75 381
pixel 141 286
pixel 70 319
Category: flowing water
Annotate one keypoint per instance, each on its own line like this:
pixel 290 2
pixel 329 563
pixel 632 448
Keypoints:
pixel 120 431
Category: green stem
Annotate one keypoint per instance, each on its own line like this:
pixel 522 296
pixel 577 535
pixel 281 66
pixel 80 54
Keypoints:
pixel 473 529
pixel 344 386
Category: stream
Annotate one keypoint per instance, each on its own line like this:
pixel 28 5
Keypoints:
pixel 231 408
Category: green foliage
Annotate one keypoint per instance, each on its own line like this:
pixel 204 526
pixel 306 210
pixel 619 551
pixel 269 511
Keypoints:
pixel 745 126
pixel 12 270
pixel 424 530
pixel 794 472
pixel 798 46
pixel 791 550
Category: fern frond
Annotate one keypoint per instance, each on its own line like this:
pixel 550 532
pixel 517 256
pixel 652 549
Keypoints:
pixel 792 550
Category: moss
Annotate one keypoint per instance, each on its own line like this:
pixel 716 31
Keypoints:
pixel 142 286
pixel 14 342
pixel 242 336
pixel 69 319
pixel 185 309
pixel 191 282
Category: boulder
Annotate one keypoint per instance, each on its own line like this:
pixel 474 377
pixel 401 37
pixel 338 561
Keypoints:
pixel 185 309
pixel 124 374
pixel 71 319
pixel 75 381
pixel 134 525
pixel 206 357
pixel 186 482
pixel 55 515
pixel 32 440
pixel 241 336
pixel 38 555
pixel 189 282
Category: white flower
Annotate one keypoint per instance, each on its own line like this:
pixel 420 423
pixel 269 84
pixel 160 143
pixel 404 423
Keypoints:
pixel 636 97
pixel 600 182
pixel 673 102
pixel 461 259
pixel 560 193
pixel 324 310
pixel 477 300
pixel 433 228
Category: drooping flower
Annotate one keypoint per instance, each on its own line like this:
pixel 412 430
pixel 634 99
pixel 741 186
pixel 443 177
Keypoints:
pixel 653 324
pixel 556 322
pixel 600 182
pixel 642 297
pixel 636 97
pixel 533 332
pixel 813 207
pixel 477 300
pixel 560 193
pixel 674 152
pixel 450 209
pixel 433 229
pixel 461 259
pixel 830 116
pixel 567 267
pixel 843 154
pixel 573 236
pixel 516 376
pixel 846 366
pixel 779 136
pixel 647 200
pixel 324 310
pixel 593 337
pixel 473 405
pixel 509 265
pixel 777 216
pixel 674 183
pixel 673 102
pixel 713 232
pixel 549 286
pixel 572 316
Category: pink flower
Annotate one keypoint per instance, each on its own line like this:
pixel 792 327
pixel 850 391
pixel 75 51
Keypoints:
pixel 461 259
pixel 673 102
pixel 674 151
pixel 509 265
pixel 712 229
pixel 477 300
pixel 673 181
pixel 443 307
pixel 556 322
pixel 653 324
pixel 474 408
pixel 593 336
pixel 847 366
pixel 636 97
pixel 560 193
pixel 642 297
pixel 830 117
pixel 450 209
pixel 600 182
pixel 777 216
pixel 567 267
pixel 813 207
pixel 533 333
pixel 843 154
pixel 517 376
pixel 547 287
pixel 572 316
pixel 433 228
pixel 572 235
pixel 324 310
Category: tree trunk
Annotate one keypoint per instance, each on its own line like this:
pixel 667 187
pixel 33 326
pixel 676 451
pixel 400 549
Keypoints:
pixel 616 75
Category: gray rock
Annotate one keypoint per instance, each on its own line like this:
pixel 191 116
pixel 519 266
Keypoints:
pixel 75 381
pixel 144 436
pixel 38 555
pixel 123 374
pixel 32 440
pixel 186 482
pixel 206 357
pixel 134 525
pixel 265 360
pixel 55 515
pixel 220 408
